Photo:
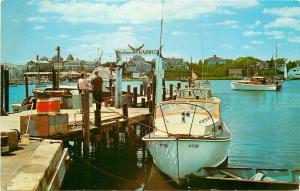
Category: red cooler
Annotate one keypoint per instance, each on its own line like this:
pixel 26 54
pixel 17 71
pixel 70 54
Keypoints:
pixel 48 106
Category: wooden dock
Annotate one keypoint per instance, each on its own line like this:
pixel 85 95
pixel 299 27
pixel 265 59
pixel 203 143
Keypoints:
pixel 41 165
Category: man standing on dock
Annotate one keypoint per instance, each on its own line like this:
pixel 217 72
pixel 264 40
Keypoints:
pixel 97 90
pixel 83 84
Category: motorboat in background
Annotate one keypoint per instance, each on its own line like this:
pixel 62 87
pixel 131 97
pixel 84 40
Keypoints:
pixel 257 83
pixel 189 134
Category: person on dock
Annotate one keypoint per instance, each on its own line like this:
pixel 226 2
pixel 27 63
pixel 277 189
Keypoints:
pixel 146 81
pixel 82 84
pixel 97 90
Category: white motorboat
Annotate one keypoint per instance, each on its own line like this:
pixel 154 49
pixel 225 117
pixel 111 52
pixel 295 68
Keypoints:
pixel 294 73
pixel 256 83
pixel 189 134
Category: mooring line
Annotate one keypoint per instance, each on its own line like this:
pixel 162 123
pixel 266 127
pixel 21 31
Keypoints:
pixel 113 175
pixel 131 119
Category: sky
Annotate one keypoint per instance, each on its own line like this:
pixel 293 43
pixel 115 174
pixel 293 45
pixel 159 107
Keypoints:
pixel 191 28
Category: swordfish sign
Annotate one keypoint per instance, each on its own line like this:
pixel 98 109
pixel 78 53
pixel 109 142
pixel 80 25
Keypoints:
pixel 138 50
pixel 120 64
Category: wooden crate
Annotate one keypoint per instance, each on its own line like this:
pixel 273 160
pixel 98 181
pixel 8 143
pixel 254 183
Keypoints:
pixel 12 138
pixel 44 125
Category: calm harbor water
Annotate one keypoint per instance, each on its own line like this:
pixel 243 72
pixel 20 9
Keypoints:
pixel 265 127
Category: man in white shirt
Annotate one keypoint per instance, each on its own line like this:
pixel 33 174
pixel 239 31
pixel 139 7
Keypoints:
pixel 83 84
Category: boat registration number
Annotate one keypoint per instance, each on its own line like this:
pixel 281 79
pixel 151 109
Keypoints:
pixel 163 145
pixel 193 145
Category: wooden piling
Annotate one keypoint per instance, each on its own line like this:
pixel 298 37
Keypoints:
pixel 148 93
pixel 86 120
pixel 128 89
pixel 125 111
pixel 164 89
pixel 6 90
pixel 2 87
pixel 141 89
pixel 135 97
pixel 97 114
pixel 113 91
pixel 26 83
pixel 143 102
pixel 178 85
pixel 171 92
pixel 116 136
pixel 110 86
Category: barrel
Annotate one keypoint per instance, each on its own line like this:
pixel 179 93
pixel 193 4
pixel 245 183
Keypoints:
pixel 48 106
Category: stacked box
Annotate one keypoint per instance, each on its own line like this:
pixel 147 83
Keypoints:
pixel 44 125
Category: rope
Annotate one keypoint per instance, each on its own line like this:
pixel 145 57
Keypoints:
pixel 113 175
pixel 154 128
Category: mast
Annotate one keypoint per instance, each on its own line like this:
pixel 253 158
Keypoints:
pixel 159 72
pixel 202 50
pixel 275 64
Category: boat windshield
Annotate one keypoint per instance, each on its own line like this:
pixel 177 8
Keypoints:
pixel 194 93
pixel 199 107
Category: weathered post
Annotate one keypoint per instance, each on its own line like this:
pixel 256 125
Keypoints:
pixel 85 120
pixel 6 89
pixel 148 93
pixel 116 136
pixel 143 102
pixel 113 91
pixel 171 91
pixel 26 83
pixel 135 97
pixel 128 89
pixel 2 87
pixel 141 89
pixel 178 86
pixel 97 114
pixel 164 89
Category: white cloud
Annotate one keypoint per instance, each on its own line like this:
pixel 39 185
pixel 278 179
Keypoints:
pixel 226 46
pixel 134 11
pixel 275 34
pixel 125 28
pixel 230 23
pixel 284 11
pixel 257 22
pixel 61 36
pixel 294 39
pixel 256 42
pixel 247 47
pixel 39 27
pixel 284 22
pixel 87 44
pixel 251 33
pixel 37 19
pixel 176 33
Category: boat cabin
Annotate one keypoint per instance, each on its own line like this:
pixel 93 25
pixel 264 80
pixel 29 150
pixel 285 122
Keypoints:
pixel 259 79
pixel 194 94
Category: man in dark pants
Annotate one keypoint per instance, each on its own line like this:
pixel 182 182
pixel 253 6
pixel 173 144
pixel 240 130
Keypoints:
pixel 97 90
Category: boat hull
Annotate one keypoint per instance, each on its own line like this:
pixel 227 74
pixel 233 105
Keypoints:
pixel 251 87
pixel 180 157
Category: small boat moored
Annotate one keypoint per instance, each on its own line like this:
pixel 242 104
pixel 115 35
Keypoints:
pixel 189 134
pixel 245 178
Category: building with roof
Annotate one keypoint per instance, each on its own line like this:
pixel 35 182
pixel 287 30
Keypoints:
pixel 138 64
pixel 175 63
pixel 215 60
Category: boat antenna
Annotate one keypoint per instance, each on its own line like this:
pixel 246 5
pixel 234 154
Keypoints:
pixel 202 50
pixel 276 57
pixel 161 23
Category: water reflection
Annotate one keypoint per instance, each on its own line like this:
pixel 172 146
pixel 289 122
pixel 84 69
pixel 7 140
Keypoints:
pixel 265 129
